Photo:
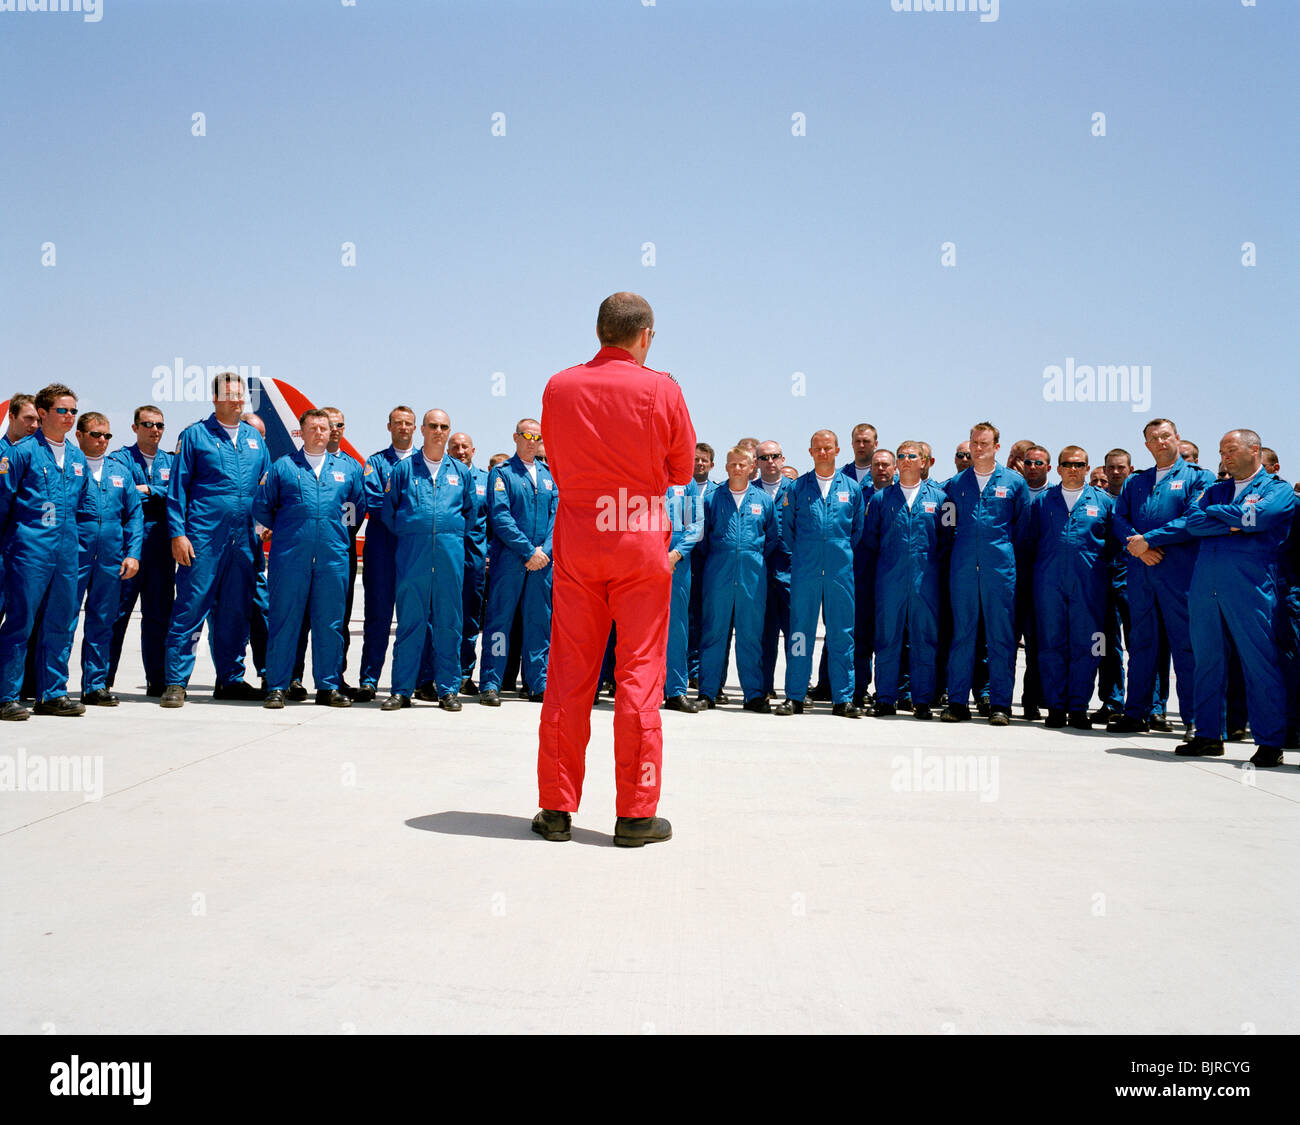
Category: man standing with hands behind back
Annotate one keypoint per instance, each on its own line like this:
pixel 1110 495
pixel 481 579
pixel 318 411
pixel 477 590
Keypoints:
pixel 617 434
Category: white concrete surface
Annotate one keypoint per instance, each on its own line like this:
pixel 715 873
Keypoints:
pixel 319 871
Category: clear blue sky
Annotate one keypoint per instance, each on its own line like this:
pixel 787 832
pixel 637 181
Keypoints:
pixel 669 123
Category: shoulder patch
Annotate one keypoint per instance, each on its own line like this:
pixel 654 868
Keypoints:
pixel 500 485
pixel 4 465
pixel 263 480
pixel 369 469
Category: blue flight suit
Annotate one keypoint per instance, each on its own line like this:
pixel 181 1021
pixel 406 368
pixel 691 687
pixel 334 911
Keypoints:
pixel 5 447
pixel 210 501
pixel 904 546
pixel 1235 591
pixel 521 516
pixel 431 519
pixel 1288 628
pixel 475 575
pixel 685 509
pixel 982 579
pixel 776 618
pixel 697 598
pixel 310 518
pixel 1157 595
pixel 739 546
pixel 1031 686
pixel 155 581
pixel 379 566
pixel 822 535
pixel 864 602
pixel 38 539
pixel 1071 549
pixel 1110 673
pixel 110 528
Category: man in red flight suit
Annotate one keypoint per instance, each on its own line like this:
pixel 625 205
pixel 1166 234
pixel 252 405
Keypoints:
pixel 617 435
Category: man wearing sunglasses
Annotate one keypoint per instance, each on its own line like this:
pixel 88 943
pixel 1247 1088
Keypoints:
pixel 42 481
pixel 522 502
pixel 776 616
pixel 1067 541
pixel 214 478
pixel 429 508
pixel 110 527
pixel 148 467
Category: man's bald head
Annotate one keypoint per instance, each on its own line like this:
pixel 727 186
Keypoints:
pixel 622 318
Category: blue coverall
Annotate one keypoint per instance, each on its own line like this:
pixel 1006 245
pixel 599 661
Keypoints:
pixel 1235 592
pixel 982 579
pixel 738 548
pixel 310 518
pixel 685 510
pixel 776 617
pixel 1071 550
pixel 475 576
pixel 1157 595
pixel 905 546
pixel 378 566
pixel 110 528
pixel 822 535
pixel 38 538
pixel 155 582
pixel 210 501
pixel 697 599
pixel 522 518
pixel 431 519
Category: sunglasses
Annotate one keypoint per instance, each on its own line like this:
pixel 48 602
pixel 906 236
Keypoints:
pixel 909 456
pixel 770 456
pixel 1070 465
pixel 963 456
pixel 65 410
pixel 429 425
pixel 338 425
pixel 527 436
pixel 99 434
pixel 150 425
pixel 1040 464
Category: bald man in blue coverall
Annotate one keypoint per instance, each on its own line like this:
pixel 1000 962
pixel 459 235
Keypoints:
pixel 822 519
pixel 741 540
pixel 429 507
pixel 1242 524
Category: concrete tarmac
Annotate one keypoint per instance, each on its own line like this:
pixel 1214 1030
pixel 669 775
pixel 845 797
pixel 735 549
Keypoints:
pixel 330 871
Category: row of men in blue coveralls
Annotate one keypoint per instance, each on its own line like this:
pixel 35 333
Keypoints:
pixel 1164 562
pixel 184 532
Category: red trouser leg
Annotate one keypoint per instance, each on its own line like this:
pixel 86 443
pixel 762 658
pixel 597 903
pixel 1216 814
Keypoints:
pixel 579 633
pixel 640 603
pixel 623 575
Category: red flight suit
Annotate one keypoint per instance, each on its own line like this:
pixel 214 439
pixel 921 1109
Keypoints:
pixel 617 435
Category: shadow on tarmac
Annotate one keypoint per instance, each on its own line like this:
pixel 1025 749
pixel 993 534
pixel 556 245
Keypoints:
pixel 497 826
